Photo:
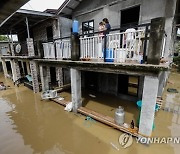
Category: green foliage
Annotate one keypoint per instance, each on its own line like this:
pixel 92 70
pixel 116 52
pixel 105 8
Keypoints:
pixel 3 38
pixel 176 60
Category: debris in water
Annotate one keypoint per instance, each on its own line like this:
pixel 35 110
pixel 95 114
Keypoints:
pixel 2 86
pixel 91 95
pixel 68 107
pixel 89 121
pixel 60 98
pixel 49 94
pixel 114 146
pixel 172 90
pixel 132 124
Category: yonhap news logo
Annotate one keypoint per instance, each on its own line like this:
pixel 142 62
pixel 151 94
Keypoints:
pixel 126 140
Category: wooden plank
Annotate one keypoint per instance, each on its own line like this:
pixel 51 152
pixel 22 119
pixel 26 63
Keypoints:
pixel 108 121
pixel 62 102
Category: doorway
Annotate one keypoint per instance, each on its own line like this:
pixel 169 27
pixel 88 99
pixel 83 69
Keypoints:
pixel 128 85
pixel 91 81
pixel 130 16
pixel 53 76
pixel 49 32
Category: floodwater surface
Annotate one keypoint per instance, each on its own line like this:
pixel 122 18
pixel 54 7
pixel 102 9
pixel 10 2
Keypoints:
pixel 29 125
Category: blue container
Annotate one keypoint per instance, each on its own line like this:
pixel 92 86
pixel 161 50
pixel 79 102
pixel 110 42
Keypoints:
pixel 139 104
pixel 109 55
pixel 75 26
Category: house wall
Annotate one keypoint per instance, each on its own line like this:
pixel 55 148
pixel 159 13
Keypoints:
pixel 65 26
pixel 4 48
pixel 61 28
pixel 39 31
pixel 97 10
pixel 111 9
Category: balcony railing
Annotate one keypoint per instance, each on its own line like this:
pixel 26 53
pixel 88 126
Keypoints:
pixel 20 49
pixel 60 49
pixel 130 46
pixel 63 49
pixel 116 47
pixel 49 50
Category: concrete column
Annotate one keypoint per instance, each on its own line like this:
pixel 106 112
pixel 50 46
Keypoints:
pixel 30 47
pixel 28 67
pixel 4 68
pixel 44 78
pixel 163 76
pixel 156 40
pixel 150 91
pixel 76 89
pixel 15 70
pixel 59 76
pixel 48 74
pixel 34 74
pixel 12 49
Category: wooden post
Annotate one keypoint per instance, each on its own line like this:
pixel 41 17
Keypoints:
pixel 156 40
pixel 75 50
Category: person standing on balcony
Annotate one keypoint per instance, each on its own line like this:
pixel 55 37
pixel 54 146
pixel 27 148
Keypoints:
pixel 107 26
pixel 101 28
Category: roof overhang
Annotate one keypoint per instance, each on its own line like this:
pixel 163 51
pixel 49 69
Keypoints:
pixel 67 7
pixel 15 23
pixel 7 7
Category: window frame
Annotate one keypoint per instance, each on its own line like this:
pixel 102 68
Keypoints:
pixel 83 31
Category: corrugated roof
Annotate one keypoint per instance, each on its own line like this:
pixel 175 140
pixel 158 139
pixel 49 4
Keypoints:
pixel 16 22
pixel 67 7
pixel 7 7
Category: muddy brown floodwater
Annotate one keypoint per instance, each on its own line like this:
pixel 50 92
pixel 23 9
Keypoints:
pixel 29 125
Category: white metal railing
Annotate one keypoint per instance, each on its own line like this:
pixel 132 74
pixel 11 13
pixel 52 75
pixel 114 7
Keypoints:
pixel 63 49
pixel 119 46
pixel 91 47
pixel 49 50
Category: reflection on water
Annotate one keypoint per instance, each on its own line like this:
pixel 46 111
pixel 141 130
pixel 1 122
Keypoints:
pixel 29 125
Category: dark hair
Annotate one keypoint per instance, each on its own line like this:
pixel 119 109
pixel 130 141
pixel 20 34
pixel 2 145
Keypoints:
pixel 106 20
pixel 101 23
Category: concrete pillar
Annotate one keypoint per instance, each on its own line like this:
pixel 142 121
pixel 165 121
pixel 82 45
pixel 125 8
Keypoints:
pixel 163 76
pixel 44 73
pixel 12 49
pixel 28 67
pixel 15 70
pixel 170 26
pixel 76 89
pixel 34 74
pixel 30 47
pixel 59 76
pixel 150 91
pixel 4 68
pixel 156 40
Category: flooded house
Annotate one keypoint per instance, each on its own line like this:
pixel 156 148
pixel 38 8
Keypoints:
pixel 97 63
pixel 111 64
pixel 34 29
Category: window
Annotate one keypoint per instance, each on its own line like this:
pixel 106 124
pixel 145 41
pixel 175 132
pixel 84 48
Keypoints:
pixel 88 28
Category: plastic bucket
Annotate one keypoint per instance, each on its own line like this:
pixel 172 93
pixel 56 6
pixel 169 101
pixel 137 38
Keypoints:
pixel 109 55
